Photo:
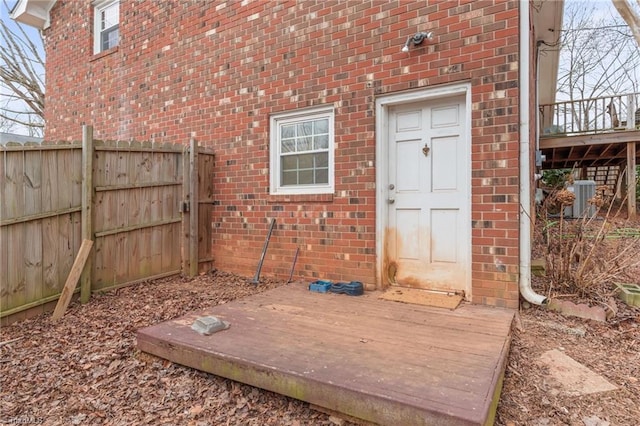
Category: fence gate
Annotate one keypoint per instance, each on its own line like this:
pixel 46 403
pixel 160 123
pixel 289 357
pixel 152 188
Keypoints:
pixel 136 216
pixel 197 207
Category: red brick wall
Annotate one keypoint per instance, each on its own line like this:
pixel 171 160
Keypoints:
pixel 215 71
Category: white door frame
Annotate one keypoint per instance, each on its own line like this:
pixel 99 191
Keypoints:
pixel 383 103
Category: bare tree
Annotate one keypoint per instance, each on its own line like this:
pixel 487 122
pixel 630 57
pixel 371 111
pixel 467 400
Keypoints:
pixel 630 15
pixel 598 59
pixel 6 125
pixel 22 79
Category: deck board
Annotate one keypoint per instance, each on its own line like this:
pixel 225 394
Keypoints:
pixel 382 361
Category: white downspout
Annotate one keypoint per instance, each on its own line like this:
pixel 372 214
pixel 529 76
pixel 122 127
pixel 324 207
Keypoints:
pixel 525 163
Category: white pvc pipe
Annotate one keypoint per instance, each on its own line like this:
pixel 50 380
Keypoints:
pixel 525 163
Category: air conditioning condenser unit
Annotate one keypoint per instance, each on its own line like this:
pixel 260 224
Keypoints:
pixel 584 190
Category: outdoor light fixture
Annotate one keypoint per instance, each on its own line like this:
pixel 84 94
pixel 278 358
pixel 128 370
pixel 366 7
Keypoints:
pixel 417 39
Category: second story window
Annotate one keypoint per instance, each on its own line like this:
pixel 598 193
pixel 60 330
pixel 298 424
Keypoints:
pixel 106 22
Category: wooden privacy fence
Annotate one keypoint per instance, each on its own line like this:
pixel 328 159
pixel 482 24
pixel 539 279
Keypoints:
pixel 148 218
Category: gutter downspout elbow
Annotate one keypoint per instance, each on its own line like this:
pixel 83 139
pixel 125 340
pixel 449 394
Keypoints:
pixel 525 164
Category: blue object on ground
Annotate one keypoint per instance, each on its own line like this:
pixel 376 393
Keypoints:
pixel 354 288
pixel 320 286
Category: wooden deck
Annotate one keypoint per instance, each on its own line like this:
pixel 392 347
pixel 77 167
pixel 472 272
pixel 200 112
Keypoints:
pixel 382 361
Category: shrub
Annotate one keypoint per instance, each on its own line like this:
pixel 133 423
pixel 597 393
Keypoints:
pixel 586 256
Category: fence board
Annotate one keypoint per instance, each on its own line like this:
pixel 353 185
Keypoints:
pixel 4 244
pixel 32 182
pixel 32 256
pixel 4 254
pixel 101 204
pixel 13 203
pixel 49 188
pixel 65 178
pixel 15 267
pixel 76 237
pixel 166 212
pixel 157 175
pixel 50 234
pixel 110 214
pixel 193 207
pixel 13 195
pixel 205 208
pixel 33 260
pixel 50 230
pixel 76 184
pixel 122 248
pixel 147 200
pixel 186 217
pixel 135 212
pixel 145 234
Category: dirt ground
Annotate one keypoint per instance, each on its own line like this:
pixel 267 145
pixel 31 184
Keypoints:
pixel 86 370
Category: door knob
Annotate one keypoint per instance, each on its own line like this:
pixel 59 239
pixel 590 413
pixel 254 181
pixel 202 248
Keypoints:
pixel 392 200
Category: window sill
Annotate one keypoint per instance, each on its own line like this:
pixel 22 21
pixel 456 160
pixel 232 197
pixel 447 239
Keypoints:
pixel 300 198
pixel 104 53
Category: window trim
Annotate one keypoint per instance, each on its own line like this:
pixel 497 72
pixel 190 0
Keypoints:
pixel 275 122
pixel 98 7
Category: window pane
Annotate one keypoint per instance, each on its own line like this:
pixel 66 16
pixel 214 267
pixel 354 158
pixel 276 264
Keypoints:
pixel 305 177
pixel 322 159
pixel 305 129
pixel 321 142
pixel 109 38
pixel 305 144
pixel 109 16
pixel 322 176
pixel 321 126
pixel 290 162
pixel 305 161
pixel 289 178
pixel 288 131
pixel 288 145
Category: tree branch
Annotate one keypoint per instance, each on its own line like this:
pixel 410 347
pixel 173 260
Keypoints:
pixel 630 16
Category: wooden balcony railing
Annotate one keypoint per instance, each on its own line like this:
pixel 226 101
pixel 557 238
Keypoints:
pixel 589 116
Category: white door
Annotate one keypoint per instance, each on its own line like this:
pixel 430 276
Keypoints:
pixel 429 232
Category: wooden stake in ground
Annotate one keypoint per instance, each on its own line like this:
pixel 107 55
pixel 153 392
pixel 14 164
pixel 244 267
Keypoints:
pixel 72 279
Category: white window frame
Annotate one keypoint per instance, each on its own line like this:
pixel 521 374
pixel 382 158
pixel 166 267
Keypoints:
pixel 98 7
pixel 276 122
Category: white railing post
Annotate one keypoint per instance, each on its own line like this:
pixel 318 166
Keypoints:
pixel 631 112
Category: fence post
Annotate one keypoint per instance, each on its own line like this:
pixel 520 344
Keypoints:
pixel 193 208
pixel 87 208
